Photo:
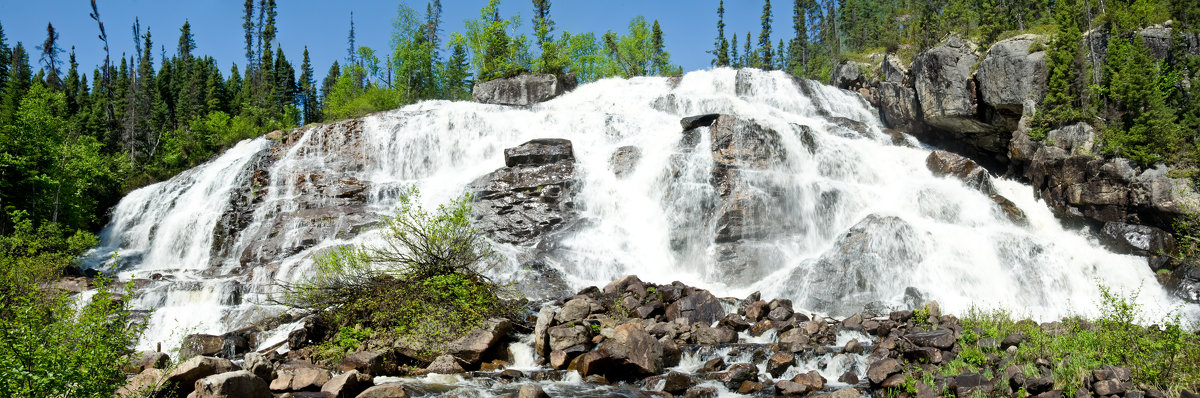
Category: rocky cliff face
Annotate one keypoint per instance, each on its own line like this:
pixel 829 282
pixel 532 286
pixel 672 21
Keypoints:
pixel 977 103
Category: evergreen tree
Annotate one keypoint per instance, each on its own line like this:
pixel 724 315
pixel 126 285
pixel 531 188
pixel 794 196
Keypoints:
pixel 5 60
pixel 330 80
pixel 734 59
pixel 19 75
pixel 310 106
pixel 457 70
pixel 186 41
pixel 248 27
pixel 1062 101
pixel 352 49
pixel 660 59
pixel 798 50
pixel 765 58
pixel 721 46
pixel 550 60
pixel 71 87
pixel 749 56
pixel 50 61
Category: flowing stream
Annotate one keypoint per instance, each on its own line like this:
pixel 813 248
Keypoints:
pixel 856 219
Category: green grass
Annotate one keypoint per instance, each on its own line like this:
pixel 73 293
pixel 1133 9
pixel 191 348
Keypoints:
pixel 1161 356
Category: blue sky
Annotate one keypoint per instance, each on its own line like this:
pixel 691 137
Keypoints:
pixel 689 25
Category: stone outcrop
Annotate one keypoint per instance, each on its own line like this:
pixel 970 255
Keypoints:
pixel 850 75
pixel 1012 79
pixel 531 196
pixel 946 91
pixel 523 90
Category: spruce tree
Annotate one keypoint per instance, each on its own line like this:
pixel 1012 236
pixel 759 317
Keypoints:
pixel 50 51
pixel 734 59
pixel 798 50
pixel 329 81
pixel 720 45
pixel 1061 103
pixel 5 59
pixel 248 27
pixel 310 106
pixel 457 70
pixel 765 58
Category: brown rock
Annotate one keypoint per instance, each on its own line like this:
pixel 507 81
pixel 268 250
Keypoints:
pixel 346 385
pixel 880 370
pixel 780 362
pixel 238 384
pixel 474 345
pixel 389 390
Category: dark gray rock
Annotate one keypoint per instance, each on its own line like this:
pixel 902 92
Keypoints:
pixel 711 336
pixel 625 160
pixel 945 89
pixel 1141 240
pixel 871 254
pixel 539 152
pixel 899 108
pixel 943 163
pixel 1012 80
pixel 631 353
pixel 698 121
pixel 882 369
pixel 238 384
pixel 850 75
pixel 523 90
pixel 699 306
pixel 941 338
pixel 535 196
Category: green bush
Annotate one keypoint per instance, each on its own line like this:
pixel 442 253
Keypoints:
pixel 423 288
pixel 51 345
pixel 1161 356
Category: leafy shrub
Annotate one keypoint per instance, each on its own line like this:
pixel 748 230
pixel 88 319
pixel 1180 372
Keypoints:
pixel 51 345
pixel 423 288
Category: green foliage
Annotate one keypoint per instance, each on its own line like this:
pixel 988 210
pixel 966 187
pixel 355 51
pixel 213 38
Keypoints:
pixel 423 288
pixel 51 345
pixel 1158 354
pixel 498 50
pixel 1141 125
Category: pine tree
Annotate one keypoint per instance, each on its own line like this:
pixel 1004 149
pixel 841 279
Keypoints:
pixel 1061 103
pixel 750 57
pixel 352 49
pixel 5 59
pixel 798 50
pixel 186 42
pixel 457 70
pixel 720 46
pixel 659 58
pixel 310 106
pixel 329 81
pixel 765 58
pixel 50 51
pixel 734 59
pixel 248 26
pixel 543 28
pixel 19 75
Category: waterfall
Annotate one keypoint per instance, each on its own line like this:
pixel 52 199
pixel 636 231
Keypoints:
pixel 847 217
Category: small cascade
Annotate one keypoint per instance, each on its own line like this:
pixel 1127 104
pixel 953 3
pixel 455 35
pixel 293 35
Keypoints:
pixel 796 192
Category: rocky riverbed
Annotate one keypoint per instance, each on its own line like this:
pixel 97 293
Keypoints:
pixel 637 339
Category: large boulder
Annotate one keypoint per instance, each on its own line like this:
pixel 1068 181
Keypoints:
pixel 185 374
pixel 943 163
pixel 899 108
pixel 942 78
pixel 523 90
pixel 1141 240
pixel 239 384
pixel 850 75
pixel 699 306
pixel 389 390
pixel 346 385
pixel 300 379
pixel 1012 79
pixel 630 353
pixel 862 262
pixel 143 384
pixel 480 341
pixel 530 197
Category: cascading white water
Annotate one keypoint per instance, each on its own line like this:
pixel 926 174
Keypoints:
pixel 932 234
